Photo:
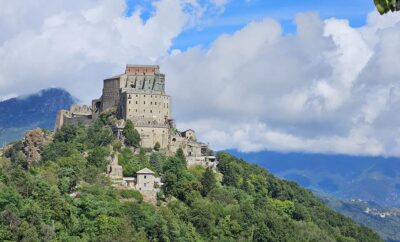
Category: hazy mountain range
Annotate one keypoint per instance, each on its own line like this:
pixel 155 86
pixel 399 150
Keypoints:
pixel 386 221
pixel 375 179
pixel 27 112
pixel 367 189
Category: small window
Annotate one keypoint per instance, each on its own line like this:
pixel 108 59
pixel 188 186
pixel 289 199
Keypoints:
pixel 145 177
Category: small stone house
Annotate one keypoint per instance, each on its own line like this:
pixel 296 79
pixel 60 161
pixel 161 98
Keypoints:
pixel 145 181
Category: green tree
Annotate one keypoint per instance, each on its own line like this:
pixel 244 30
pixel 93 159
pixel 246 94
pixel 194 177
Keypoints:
pixel 155 162
pixel 385 6
pixel 67 133
pixel 142 156
pixel 97 156
pixel 99 135
pixel 180 154
pixel 132 136
pixel 208 181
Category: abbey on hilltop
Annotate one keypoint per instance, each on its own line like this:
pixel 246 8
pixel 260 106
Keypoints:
pixel 138 95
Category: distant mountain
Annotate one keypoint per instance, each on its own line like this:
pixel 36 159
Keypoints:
pixel 366 189
pixel 26 112
pixel 374 179
pixel 383 220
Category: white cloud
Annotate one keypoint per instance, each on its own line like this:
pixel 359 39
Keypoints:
pixel 328 87
pixel 75 44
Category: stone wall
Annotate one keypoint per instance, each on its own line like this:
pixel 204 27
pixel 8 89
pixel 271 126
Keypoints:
pixel 155 107
pixel 145 182
pixel 190 147
pixel 76 119
pixel 151 135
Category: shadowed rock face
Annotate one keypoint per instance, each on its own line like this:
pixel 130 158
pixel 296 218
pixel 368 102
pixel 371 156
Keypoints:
pixel 34 140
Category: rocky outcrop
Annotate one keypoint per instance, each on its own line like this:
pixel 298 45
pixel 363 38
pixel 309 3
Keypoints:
pixel 32 143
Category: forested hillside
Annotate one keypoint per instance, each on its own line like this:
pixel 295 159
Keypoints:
pixel 65 196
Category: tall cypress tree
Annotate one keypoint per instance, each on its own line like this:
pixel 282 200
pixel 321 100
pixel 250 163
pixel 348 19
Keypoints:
pixel 208 181
pixel 132 137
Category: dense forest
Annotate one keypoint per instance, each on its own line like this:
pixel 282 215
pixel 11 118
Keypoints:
pixel 237 202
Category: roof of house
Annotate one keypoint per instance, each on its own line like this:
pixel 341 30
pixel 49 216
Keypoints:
pixel 145 171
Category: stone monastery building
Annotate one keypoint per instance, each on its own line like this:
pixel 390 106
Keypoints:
pixel 138 95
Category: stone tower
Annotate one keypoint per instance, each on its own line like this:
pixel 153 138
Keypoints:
pixel 139 95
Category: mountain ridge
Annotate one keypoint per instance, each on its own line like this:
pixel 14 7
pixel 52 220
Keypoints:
pixel 368 178
pixel 37 110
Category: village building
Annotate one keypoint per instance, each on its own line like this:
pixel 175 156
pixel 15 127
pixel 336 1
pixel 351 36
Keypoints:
pixel 145 180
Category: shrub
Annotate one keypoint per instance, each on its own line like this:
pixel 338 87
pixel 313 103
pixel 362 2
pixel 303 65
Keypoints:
pixel 131 194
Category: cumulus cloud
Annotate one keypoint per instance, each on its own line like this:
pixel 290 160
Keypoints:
pixel 74 44
pixel 328 87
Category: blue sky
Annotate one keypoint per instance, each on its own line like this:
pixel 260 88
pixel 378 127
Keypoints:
pixel 237 13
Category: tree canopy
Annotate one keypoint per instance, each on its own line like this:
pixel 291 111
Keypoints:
pixel 385 6
pixel 132 137
pixel 66 197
